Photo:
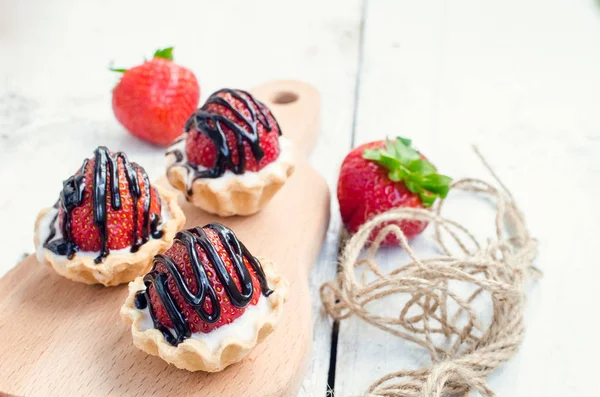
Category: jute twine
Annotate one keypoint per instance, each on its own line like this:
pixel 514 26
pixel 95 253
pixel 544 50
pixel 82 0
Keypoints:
pixel 463 350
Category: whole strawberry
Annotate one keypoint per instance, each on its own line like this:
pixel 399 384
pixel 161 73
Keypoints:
pixel 121 221
pixel 153 100
pixel 378 176
pixel 180 257
pixel 233 108
pixel 124 218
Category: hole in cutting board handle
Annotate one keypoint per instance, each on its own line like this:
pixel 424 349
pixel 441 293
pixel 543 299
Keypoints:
pixel 285 97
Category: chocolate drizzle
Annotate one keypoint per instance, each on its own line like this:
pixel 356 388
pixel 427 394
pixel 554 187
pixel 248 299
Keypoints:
pixel 105 170
pixel 239 298
pixel 212 125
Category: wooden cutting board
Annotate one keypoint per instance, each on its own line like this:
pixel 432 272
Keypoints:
pixel 62 338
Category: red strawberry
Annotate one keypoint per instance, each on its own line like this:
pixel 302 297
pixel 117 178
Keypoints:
pixel 153 100
pixel 378 176
pixel 180 256
pixel 201 150
pixel 85 234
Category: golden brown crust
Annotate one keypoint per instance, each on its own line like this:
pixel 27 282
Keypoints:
pixel 117 268
pixel 235 195
pixel 194 354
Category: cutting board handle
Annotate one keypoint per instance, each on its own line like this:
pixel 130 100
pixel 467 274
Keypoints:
pixel 298 103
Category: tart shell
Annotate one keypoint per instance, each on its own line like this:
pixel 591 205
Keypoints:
pixel 194 354
pixel 117 268
pixel 236 195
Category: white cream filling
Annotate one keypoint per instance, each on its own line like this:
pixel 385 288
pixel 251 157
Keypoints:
pixel 44 233
pixel 248 178
pixel 242 329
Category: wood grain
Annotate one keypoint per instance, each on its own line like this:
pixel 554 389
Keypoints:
pixel 449 74
pixel 67 338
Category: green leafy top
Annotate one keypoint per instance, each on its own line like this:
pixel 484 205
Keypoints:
pixel 406 164
pixel 165 53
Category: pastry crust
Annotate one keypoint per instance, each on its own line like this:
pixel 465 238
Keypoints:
pixel 233 194
pixel 117 268
pixel 194 354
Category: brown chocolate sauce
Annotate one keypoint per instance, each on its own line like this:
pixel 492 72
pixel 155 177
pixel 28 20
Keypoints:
pixel 239 298
pixel 212 125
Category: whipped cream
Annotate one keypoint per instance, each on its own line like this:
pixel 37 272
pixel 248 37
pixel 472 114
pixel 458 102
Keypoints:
pixel 248 178
pixel 243 328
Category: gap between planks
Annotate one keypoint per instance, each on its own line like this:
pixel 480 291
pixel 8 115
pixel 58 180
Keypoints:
pixel 335 329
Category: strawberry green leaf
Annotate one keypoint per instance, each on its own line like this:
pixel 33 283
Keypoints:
pixel 389 161
pixel 413 186
pixel 436 183
pixel 427 198
pixel 371 154
pixel 396 175
pixel 421 166
pixel 405 141
pixel 166 53
pixel 405 164
pixel 389 146
pixel 404 152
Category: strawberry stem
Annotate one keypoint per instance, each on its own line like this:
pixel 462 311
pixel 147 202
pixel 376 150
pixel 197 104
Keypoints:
pixel 405 164
pixel 165 53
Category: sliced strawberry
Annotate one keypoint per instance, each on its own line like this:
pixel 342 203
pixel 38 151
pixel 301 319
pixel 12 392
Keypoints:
pixel 180 256
pixel 200 148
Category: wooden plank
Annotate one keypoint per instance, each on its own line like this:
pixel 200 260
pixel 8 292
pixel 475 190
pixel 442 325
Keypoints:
pixel 92 352
pixel 519 80
pixel 229 44
pixel 334 65
pixel 396 96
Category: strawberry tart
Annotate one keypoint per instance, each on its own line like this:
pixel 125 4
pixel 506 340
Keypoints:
pixel 108 222
pixel 206 302
pixel 231 159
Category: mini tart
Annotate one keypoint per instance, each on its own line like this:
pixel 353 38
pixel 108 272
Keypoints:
pixel 222 346
pixel 231 159
pixel 195 354
pixel 119 266
pixel 108 222
pixel 230 194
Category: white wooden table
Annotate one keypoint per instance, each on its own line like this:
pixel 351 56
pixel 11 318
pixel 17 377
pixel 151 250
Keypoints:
pixel 519 78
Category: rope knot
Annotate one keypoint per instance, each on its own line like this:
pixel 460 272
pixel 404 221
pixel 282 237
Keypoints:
pixel 452 377
pixel 441 298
